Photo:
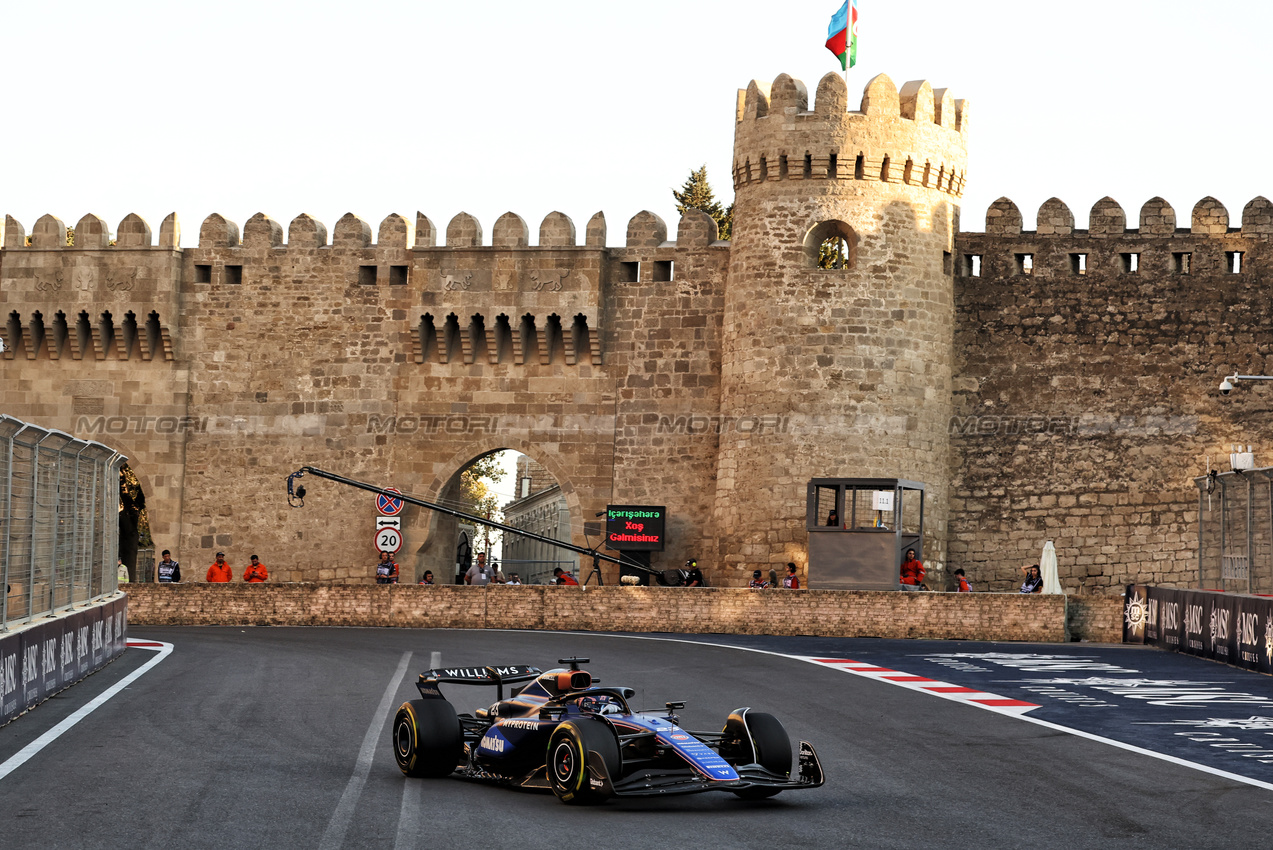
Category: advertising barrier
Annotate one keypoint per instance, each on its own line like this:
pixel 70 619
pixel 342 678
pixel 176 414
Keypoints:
pixel 1236 630
pixel 41 660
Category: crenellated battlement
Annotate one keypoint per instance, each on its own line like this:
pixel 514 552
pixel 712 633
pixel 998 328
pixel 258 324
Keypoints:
pixel 916 136
pixel 1157 247
pixel 557 230
pixel 505 301
pixel 1107 219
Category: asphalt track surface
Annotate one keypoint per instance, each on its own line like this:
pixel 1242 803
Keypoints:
pixel 272 737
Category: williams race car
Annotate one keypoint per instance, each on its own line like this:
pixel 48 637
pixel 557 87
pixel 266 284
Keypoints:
pixel 565 732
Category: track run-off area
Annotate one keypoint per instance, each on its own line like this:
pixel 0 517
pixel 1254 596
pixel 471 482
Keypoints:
pixel 278 737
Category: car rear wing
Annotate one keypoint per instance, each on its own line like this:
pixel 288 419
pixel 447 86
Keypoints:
pixel 497 675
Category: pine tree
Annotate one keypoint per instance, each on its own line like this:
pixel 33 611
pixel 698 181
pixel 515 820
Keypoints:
pixel 697 194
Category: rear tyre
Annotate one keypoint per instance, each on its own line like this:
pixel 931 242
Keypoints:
pixel 427 739
pixel 567 760
pixel 769 743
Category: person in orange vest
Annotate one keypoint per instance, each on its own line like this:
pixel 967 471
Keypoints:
pixel 256 572
pixel 220 570
pixel 564 577
pixel 912 572
pixel 961 583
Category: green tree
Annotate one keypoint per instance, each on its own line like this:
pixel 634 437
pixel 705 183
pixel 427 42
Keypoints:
pixel 833 253
pixel 480 499
pixel 697 194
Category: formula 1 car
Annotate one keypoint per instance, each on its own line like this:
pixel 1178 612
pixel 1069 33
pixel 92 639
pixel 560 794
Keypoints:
pixel 563 731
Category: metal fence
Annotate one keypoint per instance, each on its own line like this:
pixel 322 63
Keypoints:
pixel 1235 531
pixel 59 520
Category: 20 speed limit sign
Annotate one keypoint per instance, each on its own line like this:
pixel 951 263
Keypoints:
pixel 388 540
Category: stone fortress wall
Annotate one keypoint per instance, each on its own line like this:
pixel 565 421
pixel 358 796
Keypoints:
pixel 220 368
pixel 713 377
pixel 1086 399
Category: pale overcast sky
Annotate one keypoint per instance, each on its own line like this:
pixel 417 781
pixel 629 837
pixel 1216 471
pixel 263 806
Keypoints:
pixel 379 107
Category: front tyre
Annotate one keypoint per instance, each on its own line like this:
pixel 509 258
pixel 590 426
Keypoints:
pixel 427 738
pixel 769 746
pixel 567 760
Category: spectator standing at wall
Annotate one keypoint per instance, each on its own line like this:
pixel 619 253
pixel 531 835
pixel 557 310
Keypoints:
pixel 121 572
pixel 791 581
pixel 219 572
pixel 386 570
pixel 427 579
pixel 757 583
pixel 479 574
pixel 1033 579
pixel 912 572
pixel 256 572
pixel 514 580
pixel 833 519
pixel 169 570
pixel 693 575
pixel 564 578
pixel 961 583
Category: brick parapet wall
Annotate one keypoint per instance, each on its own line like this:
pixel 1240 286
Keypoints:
pixel 943 616
pixel 1094 618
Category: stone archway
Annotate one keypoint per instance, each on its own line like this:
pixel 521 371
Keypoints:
pixel 432 535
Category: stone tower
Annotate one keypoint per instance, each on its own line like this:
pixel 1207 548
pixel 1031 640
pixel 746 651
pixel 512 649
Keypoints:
pixel 851 365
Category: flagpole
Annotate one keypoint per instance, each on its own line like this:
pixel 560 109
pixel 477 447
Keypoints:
pixel 848 46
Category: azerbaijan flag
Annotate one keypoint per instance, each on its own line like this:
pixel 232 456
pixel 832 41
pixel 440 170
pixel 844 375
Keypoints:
pixel 842 34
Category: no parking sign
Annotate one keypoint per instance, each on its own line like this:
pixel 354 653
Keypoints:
pixel 388 505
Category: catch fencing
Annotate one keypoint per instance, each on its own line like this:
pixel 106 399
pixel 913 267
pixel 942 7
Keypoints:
pixel 1235 531
pixel 59 521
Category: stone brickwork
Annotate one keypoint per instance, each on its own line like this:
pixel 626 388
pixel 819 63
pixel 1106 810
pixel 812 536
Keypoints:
pixel 1094 618
pixel 1054 383
pixel 1086 395
pixel 854 362
pixel 828 613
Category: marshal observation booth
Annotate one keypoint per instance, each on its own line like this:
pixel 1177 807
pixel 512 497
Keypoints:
pixel 860 529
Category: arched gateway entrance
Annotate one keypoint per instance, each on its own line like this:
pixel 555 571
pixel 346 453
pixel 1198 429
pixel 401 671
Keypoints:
pixel 529 491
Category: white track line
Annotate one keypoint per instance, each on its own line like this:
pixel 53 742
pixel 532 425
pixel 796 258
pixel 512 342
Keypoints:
pixel 1017 711
pixel 162 650
pixel 411 816
pixel 334 836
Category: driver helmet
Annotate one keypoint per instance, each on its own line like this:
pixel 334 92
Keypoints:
pixel 599 704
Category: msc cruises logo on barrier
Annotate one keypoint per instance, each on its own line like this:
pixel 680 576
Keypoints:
pixel 1225 627
pixel 1134 615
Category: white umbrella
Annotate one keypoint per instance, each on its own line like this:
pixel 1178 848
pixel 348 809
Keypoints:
pixel 1047 565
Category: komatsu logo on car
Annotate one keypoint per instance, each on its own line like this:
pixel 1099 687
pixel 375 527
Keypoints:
pixel 490 742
